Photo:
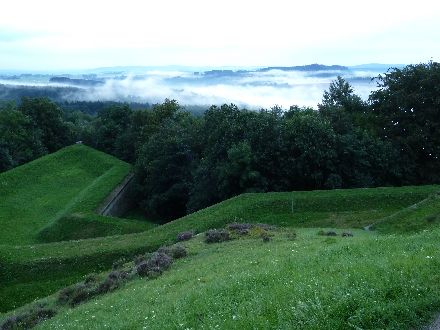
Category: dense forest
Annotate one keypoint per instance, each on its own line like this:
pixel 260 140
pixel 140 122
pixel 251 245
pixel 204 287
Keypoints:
pixel 184 161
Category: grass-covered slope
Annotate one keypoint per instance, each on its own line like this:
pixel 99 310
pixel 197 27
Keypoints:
pixel 420 216
pixel 37 195
pixel 309 282
pixel 54 198
pixel 37 270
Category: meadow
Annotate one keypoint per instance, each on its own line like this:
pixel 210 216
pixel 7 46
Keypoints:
pixel 382 278
pixel 367 281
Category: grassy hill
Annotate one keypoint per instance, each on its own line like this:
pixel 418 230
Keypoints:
pixel 50 199
pixel 302 281
pixel 64 189
pixel 37 270
pixel 39 194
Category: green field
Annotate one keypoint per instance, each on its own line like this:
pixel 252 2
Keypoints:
pixel 385 278
pixel 310 282
pixel 73 181
pixel 54 198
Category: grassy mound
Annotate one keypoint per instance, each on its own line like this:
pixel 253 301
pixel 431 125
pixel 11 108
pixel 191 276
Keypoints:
pixel 50 199
pixel 420 216
pixel 37 270
pixel 36 195
pixel 309 282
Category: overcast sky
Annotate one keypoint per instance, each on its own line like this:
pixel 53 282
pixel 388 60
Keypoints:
pixel 50 35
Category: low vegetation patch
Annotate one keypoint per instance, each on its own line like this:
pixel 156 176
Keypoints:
pixel 217 236
pixel 28 319
pixel 184 236
pixel 150 265
pixel 368 282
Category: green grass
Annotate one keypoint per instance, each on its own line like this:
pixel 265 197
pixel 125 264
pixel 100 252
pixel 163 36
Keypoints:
pixel 420 216
pixel 44 192
pixel 50 263
pixel 61 192
pixel 54 198
pixel 311 282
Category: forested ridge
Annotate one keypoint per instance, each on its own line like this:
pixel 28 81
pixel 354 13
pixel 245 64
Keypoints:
pixel 184 162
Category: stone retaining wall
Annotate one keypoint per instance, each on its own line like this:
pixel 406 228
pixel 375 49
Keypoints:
pixel 120 199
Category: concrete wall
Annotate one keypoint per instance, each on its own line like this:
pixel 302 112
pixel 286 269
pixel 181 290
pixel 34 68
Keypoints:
pixel 120 199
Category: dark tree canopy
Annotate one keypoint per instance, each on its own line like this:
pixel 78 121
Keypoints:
pixel 407 105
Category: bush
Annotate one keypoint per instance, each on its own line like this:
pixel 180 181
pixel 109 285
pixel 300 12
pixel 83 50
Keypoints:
pixel 178 251
pixel 118 264
pixel 239 226
pixel 91 279
pixel 155 265
pixel 113 281
pixel 74 294
pixel 184 236
pixel 266 238
pixel 139 259
pixel 216 236
pixel 28 319
pixel 242 227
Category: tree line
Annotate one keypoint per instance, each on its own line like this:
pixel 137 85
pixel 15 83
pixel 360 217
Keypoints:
pixel 184 162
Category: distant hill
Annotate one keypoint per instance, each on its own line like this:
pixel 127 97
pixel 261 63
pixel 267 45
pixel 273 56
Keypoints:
pixel 307 68
pixel 76 81
pixel 378 67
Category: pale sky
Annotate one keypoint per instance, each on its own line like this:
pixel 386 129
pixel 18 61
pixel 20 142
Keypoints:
pixel 82 34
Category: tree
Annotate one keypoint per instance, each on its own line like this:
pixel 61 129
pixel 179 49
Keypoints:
pixel 46 117
pixel 237 174
pixel 308 149
pixel 113 132
pixel 163 172
pixel 343 108
pixel 20 139
pixel 407 106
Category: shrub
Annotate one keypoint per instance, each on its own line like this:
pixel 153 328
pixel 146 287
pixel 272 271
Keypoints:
pixel 28 319
pixel 175 251
pixel 73 294
pixel 156 264
pixel 266 238
pixel 178 251
pixel 243 232
pixel 139 259
pixel 239 226
pixel 113 281
pixel 216 236
pixel 161 260
pixel 235 226
pixel 184 236
pixel 91 279
pixel 118 264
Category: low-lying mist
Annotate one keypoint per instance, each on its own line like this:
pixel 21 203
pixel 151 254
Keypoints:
pixel 252 89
